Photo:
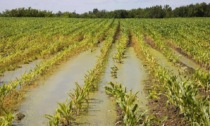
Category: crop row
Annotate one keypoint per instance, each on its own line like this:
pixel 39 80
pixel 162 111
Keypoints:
pixel 182 94
pixel 121 45
pixel 179 35
pixel 66 112
pixel 47 48
pixel 71 50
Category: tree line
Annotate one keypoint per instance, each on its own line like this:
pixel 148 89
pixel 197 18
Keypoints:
pixel 192 10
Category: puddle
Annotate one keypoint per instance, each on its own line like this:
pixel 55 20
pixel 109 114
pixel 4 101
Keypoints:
pixel 132 75
pixel 17 73
pixel 185 60
pixel 102 109
pixel 43 100
pixel 163 61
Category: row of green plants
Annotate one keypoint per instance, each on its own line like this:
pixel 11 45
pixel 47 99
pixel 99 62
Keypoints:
pixel 90 41
pixel 34 30
pixel 159 43
pixel 29 78
pixel 73 42
pixel 121 45
pixel 127 102
pixel 45 49
pixel 182 94
pixel 201 75
pixel 67 112
pixel 129 111
pixel 32 76
pixel 179 33
pixel 17 29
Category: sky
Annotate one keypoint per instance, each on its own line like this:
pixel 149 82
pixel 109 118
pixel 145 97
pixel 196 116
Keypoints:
pixel 81 6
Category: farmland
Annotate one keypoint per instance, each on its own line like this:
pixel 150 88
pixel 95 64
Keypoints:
pixel 66 71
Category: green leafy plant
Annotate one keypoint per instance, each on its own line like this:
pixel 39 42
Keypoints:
pixel 127 102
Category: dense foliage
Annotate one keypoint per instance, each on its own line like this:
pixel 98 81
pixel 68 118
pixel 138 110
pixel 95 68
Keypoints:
pixel 192 10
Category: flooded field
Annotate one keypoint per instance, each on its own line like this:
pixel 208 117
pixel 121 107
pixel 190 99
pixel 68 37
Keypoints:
pixel 44 99
pixel 104 72
pixel 17 73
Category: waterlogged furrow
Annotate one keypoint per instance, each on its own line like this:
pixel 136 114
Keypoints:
pixel 35 110
pixel 43 68
pixel 9 76
pixel 101 110
pixel 132 75
pixel 128 80
pixel 88 34
pixel 78 47
pixel 39 70
pixel 182 94
pixel 182 67
pixel 178 83
pixel 192 47
pixel 79 98
pixel 191 70
pixel 43 100
pixel 44 50
pixel 189 63
pixel 8 91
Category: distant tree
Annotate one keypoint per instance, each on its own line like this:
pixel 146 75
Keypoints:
pixel 59 13
pixel 167 10
pixel 95 11
pixel 192 10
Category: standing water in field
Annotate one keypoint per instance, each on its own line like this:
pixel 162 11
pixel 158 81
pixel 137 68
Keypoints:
pixel 132 75
pixel 43 100
pixel 17 73
pixel 163 61
pixel 185 60
pixel 102 110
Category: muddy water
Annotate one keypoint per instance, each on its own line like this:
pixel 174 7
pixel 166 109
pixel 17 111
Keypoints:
pixel 43 100
pixel 17 73
pixel 163 61
pixel 102 109
pixel 132 75
pixel 185 60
